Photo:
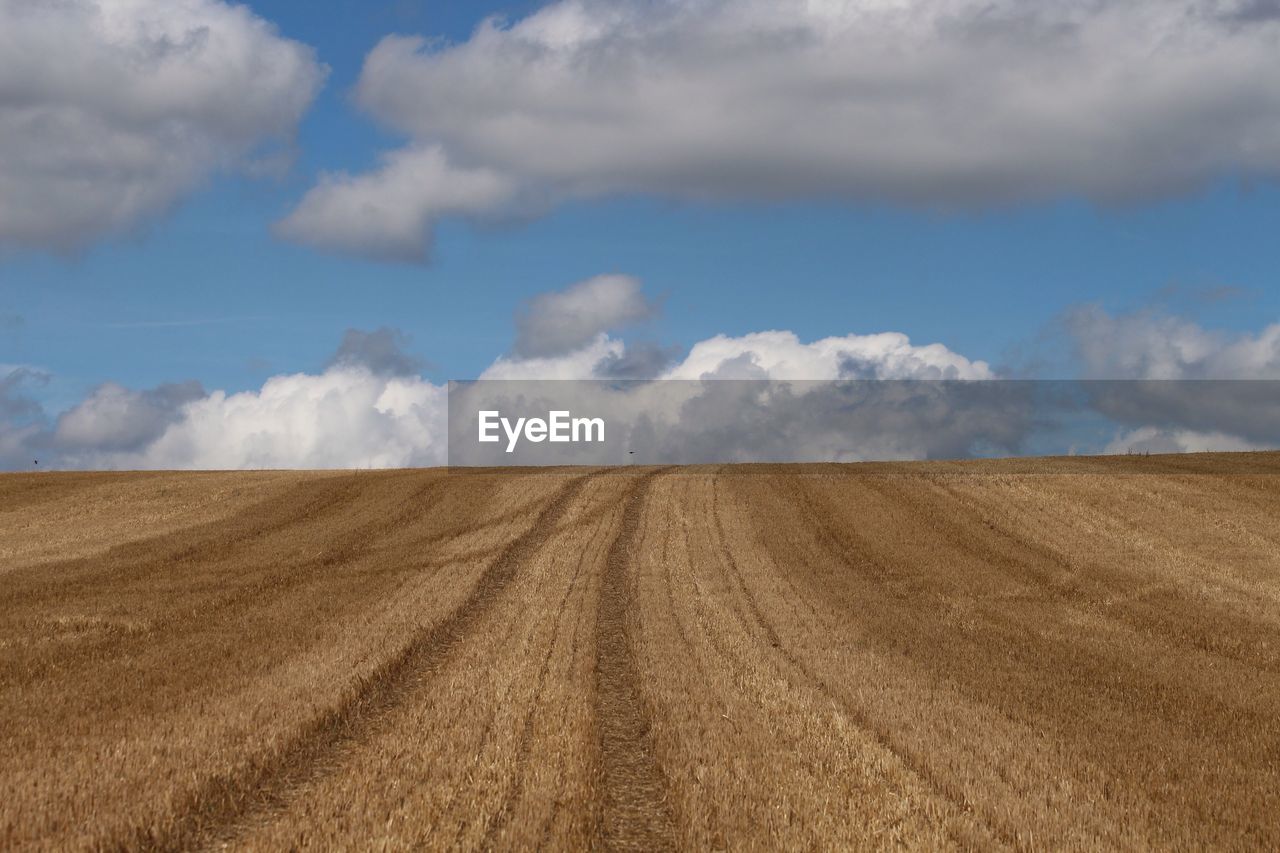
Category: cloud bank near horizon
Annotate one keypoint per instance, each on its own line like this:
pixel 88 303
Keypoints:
pixel 370 407
pixel 939 104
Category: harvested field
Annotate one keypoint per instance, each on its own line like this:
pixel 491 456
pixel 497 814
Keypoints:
pixel 1069 653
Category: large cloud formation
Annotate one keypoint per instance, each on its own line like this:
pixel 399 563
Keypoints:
pixel 568 334
pixel 112 110
pixel 369 407
pixel 763 395
pixel 779 355
pixel 801 400
pixel 345 417
pixel 1199 389
pixel 366 409
pixel 939 103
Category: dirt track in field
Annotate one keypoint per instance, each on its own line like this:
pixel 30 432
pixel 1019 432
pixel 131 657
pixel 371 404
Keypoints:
pixel 1075 653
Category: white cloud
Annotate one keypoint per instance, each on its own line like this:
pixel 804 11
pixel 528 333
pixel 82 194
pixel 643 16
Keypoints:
pixel 113 110
pixel 561 322
pixel 781 355
pixel 21 416
pixel 13 402
pixel 380 351
pixel 388 214
pixel 1208 389
pixel 582 363
pixel 940 103
pixel 761 355
pixel 115 419
pixel 1151 439
pixel 343 418
pixel 1154 345
pixel 800 415
pixel 369 408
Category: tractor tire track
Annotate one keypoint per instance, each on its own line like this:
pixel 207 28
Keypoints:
pixel 932 781
pixel 220 540
pixel 216 810
pixel 500 819
pixel 634 812
pixel 275 581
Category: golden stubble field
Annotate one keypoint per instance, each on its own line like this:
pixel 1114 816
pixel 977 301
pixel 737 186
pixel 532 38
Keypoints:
pixel 1071 653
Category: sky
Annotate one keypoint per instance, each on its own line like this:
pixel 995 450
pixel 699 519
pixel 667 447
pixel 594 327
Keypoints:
pixel 205 203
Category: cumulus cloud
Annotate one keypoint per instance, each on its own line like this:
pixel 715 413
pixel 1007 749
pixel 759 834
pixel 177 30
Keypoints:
pixel 380 351
pixel 14 404
pixel 782 355
pixel 642 360
pixel 116 419
pixel 1150 439
pixel 388 214
pixel 757 420
pixel 583 363
pixel 21 416
pixel 368 408
pixel 804 401
pixel 564 321
pixel 1247 410
pixel 761 396
pixel 935 103
pixel 1164 383
pixel 1179 385
pixel 566 335
pixel 1156 345
pixel 759 355
pixel 112 110
pixel 845 420
pixel 343 418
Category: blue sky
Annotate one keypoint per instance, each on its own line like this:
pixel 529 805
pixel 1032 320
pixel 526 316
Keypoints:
pixel 984 284
pixel 205 290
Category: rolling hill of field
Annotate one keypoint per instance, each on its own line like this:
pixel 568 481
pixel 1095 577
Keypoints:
pixel 1014 654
